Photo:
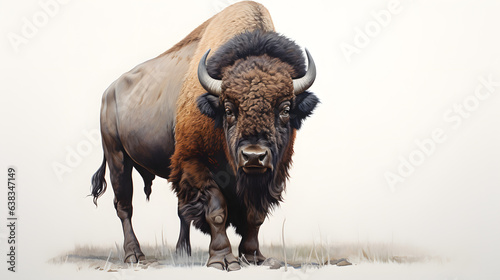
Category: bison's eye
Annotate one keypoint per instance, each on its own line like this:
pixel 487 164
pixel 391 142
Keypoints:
pixel 230 112
pixel 284 110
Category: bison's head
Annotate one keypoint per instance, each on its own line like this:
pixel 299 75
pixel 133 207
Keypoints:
pixel 259 105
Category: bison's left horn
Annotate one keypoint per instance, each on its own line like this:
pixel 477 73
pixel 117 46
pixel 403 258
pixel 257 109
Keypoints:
pixel 302 84
pixel 212 85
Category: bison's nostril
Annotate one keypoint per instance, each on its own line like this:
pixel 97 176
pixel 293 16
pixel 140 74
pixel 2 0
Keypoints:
pixel 253 157
pixel 263 156
pixel 245 155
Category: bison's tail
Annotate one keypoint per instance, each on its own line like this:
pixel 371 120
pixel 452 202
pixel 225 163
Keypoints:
pixel 98 182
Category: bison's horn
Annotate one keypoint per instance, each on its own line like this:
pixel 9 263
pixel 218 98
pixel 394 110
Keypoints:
pixel 212 85
pixel 301 84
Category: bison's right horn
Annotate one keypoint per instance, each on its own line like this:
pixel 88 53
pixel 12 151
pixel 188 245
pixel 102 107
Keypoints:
pixel 212 85
pixel 301 84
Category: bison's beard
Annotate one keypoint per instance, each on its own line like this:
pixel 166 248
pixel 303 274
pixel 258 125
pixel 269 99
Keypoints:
pixel 258 192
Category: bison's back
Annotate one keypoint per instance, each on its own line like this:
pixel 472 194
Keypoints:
pixel 143 105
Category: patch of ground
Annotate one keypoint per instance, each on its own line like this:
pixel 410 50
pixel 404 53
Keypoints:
pixel 298 257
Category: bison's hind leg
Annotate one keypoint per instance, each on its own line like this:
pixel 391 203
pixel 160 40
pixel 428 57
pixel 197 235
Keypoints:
pixel 148 178
pixel 120 167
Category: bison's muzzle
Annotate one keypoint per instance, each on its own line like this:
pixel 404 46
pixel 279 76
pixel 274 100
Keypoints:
pixel 254 159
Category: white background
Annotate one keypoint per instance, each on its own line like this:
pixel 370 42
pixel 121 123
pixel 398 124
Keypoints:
pixel 376 103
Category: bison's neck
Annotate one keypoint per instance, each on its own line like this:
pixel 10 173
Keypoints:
pixel 259 193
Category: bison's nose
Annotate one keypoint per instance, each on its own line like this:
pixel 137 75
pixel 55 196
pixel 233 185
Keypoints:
pixel 255 159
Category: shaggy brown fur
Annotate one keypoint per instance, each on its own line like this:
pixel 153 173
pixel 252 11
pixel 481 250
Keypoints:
pixel 255 85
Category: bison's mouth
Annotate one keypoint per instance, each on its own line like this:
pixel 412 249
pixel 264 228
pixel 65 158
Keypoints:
pixel 254 169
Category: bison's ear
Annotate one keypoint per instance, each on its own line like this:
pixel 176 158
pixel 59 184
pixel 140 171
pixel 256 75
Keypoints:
pixel 209 105
pixel 304 106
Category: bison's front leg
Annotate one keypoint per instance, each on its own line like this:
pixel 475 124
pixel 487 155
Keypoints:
pixel 201 201
pixel 221 256
pixel 249 245
pixel 183 244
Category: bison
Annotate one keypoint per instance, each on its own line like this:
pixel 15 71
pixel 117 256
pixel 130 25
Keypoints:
pixel 216 115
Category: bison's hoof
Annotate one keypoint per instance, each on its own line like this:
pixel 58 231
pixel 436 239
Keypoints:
pixel 134 258
pixel 224 262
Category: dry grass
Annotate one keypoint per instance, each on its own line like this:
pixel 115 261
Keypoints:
pixel 319 254
pixel 162 255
